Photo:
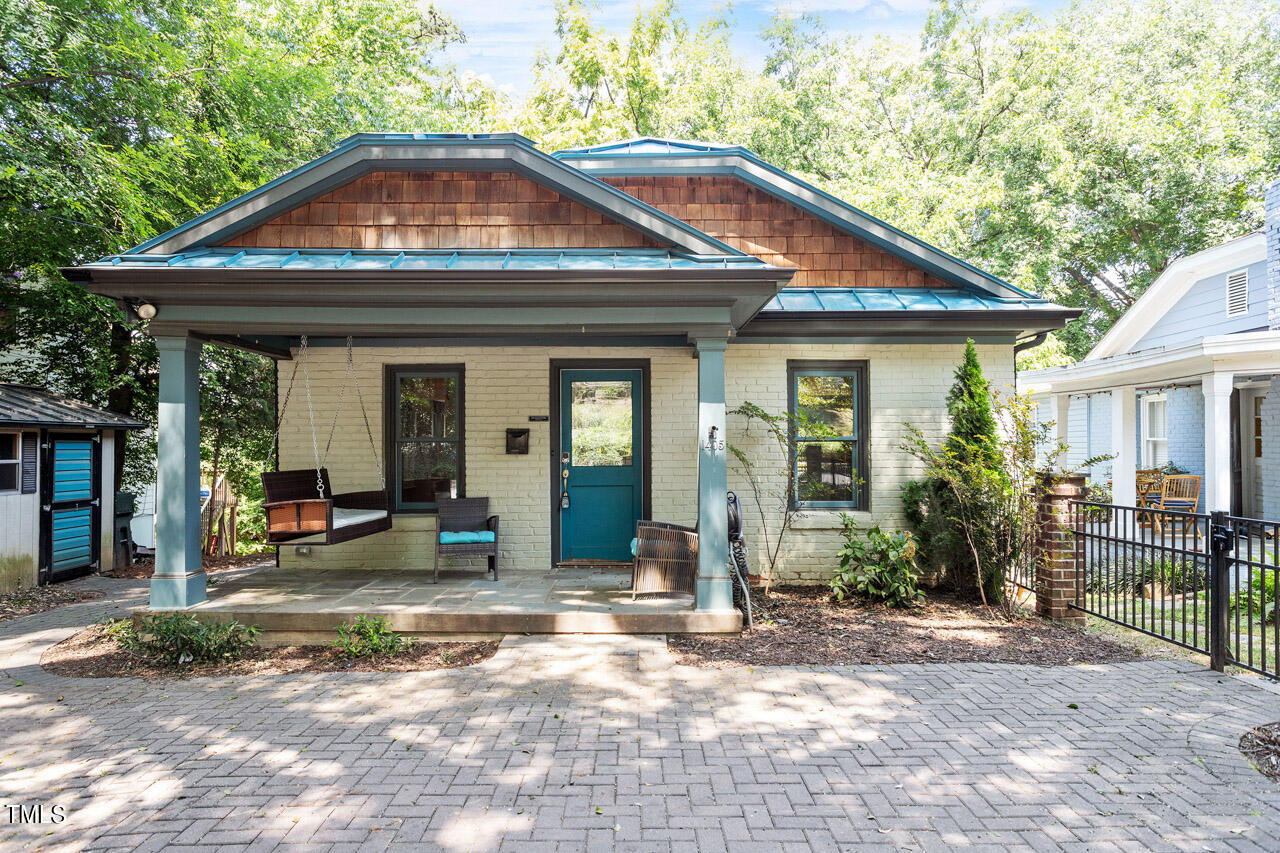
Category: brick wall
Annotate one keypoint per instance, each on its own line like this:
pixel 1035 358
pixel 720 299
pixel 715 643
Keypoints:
pixel 504 386
pixel 441 210
pixel 1185 428
pixel 755 222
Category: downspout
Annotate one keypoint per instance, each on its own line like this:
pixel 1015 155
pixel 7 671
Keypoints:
pixel 1030 343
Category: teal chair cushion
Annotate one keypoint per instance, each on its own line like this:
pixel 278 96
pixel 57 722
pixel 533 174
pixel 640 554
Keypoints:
pixel 635 547
pixel 465 537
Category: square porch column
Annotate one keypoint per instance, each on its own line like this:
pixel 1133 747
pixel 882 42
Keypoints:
pixel 179 579
pixel 1124 444
pixel 714 590
pixel 1217 442
pixel 1061 412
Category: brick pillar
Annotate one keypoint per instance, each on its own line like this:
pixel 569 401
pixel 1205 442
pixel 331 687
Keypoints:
pixel 1056 547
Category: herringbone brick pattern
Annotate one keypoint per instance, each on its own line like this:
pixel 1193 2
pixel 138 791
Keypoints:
pixel 601 744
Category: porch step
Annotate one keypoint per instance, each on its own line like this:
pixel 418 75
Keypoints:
pixel 430 624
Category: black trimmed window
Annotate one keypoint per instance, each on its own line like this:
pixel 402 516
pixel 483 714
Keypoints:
pixel 830 458
pixel 425 444
pixel 10 462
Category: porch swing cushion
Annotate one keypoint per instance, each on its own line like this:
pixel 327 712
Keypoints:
pixel 345 517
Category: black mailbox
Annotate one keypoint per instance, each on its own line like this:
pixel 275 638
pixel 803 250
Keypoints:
pixel 518 440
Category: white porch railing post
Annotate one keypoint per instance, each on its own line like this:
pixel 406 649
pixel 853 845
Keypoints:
pixel 179 579
pixel 1217 441
pixel 1124 444
pixel 714 591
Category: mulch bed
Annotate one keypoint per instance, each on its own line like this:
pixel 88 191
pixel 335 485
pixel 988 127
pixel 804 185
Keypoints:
pixel 144 567
pixel 25 602
pixel 1262 746
pixel 801 626
pixel 92 654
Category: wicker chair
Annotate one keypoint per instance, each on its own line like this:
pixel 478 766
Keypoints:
pixel 666 559
pixel 465 515
pixel 1180 493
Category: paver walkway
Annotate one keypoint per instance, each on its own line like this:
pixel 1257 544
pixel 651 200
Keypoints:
pixel 597 744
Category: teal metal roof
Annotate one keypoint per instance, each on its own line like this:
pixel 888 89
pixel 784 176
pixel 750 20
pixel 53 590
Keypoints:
pixel 794 300
pixel 429 259
pixel 650 145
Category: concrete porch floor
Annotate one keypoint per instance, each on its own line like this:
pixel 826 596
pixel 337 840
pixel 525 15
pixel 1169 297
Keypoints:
pixel 307 605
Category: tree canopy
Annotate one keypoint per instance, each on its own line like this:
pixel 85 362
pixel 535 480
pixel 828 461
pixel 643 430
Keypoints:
pixel 1075 156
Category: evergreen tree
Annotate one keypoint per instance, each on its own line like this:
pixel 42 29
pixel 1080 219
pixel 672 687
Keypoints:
pixel 973 425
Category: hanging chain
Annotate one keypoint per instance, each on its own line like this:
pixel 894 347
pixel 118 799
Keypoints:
pixel 373 445
pixel 275 438
pixel 311 415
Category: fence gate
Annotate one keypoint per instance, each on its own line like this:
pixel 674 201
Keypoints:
pixel 1204 582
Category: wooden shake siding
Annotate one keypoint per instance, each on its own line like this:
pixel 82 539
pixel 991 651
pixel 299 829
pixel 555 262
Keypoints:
pixel 755 222
pixel 442 210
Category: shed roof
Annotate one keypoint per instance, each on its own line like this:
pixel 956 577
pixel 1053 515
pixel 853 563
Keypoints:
pixel 28 406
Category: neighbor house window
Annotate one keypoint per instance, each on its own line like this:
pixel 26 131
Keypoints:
pixel 828 400
pixel 1155 441
pixel 10 462
pixel 425 437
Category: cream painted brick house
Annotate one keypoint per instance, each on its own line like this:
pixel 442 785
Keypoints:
pixel 563 335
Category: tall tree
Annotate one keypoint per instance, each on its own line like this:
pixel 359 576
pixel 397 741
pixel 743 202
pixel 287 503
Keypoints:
pixel 120 119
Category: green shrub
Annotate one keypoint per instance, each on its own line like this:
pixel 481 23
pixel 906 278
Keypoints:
pixel 366 637
pixel 876 565
pixel 1258 599
pixel 176 639
pixel 1176 576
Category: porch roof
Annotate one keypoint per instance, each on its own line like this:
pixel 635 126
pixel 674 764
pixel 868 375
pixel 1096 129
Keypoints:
pixel 428 259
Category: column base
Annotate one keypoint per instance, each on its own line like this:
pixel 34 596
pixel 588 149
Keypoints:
pixel 714 594
pixel 177 592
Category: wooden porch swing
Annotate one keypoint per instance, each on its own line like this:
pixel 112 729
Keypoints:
pixel 300 503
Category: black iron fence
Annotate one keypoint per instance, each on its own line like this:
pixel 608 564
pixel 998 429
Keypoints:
pixel 1204 582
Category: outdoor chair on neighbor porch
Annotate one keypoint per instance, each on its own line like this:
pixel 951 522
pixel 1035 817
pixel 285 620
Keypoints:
pixel 1180 493
pixel 464 528
pixel 664 559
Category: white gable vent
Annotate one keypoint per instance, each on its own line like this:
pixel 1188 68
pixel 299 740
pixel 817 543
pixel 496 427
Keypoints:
pixel 1238 293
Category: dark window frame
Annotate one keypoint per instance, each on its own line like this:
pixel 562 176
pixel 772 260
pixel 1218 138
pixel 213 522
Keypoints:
pixel 391 427
pixel 16 462
pixel 860 370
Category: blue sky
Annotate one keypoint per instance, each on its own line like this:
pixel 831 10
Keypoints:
pixel 504 36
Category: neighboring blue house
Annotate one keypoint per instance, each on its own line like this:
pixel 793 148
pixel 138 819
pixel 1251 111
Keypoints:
pixel 1189 376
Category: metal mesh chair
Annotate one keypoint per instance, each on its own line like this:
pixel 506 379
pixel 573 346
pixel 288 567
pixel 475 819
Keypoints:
pixel 666 559
pixel 463 515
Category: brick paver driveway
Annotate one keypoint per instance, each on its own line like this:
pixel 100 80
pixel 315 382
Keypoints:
pixel 577 745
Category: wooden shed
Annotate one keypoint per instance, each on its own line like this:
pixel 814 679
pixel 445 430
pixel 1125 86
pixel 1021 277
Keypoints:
pixel 57 486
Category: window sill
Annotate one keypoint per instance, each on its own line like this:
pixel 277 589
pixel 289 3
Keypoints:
pixel 828 519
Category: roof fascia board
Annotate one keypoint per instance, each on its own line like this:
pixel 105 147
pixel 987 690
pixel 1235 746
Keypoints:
pixel 362 156
pixel 1171 285
pixel 1255 352
pixel 789 188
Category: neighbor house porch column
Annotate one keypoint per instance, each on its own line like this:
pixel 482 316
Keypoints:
pixel 1124 444
pixel 1217 442
pixel 714 591
pixel 179 579
pixel 1061 412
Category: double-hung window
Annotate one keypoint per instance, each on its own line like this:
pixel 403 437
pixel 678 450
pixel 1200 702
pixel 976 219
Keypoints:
pixel 1155 441
pixel 10 462
pixel 424 434
pixel 828 403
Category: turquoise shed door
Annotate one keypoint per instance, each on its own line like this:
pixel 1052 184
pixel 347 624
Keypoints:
pixel 71 506
pixel 601 463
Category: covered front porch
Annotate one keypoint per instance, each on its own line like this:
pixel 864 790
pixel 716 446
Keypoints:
pixel 1234 382
pixel 664 311
pixel 294 606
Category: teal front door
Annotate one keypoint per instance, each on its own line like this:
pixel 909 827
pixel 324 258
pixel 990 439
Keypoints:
pixel 601 463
